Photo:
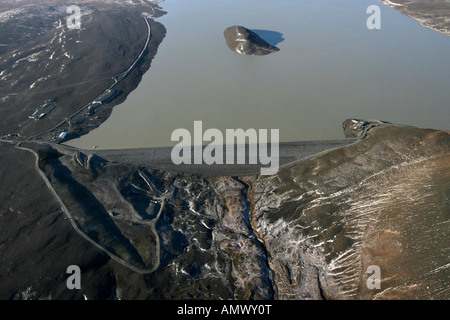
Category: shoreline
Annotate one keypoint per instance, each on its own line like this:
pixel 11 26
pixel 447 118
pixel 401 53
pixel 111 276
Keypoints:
pixel 115 78
pixel 434 20
pixel 123 145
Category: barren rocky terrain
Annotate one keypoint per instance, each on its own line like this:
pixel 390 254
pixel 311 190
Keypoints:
pixel 433 14
pixel 311 231
pixel 47 68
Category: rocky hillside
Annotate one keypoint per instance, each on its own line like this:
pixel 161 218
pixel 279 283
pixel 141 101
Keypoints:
pixel 309 232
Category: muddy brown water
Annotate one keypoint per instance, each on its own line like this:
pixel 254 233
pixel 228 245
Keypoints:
pixel 330 67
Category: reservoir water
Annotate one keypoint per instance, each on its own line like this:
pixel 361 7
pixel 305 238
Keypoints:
pixel 330 67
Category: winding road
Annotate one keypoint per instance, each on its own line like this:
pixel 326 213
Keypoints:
pixel 74 223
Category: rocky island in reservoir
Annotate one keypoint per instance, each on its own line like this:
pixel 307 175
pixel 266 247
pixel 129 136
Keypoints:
pixel 245 41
